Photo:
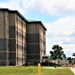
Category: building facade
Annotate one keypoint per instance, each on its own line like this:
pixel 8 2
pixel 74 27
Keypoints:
pixel 17 38
pixel 36 41
pixel 20 39
pixel 4 38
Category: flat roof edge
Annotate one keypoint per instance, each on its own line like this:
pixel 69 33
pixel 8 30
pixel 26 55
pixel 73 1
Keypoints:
pixel 13 11
pixel 17 12
pixel 38 22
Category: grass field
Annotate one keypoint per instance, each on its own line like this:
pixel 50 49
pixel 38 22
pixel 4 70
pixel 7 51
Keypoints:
pixel 32 70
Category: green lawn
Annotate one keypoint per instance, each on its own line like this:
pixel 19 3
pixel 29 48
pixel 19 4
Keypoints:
pixel 32 70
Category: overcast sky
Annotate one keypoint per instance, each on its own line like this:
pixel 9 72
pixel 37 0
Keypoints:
pixel 58 16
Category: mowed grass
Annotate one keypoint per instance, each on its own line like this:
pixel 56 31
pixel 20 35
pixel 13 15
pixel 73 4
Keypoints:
pixel 56 71
pixel 33 70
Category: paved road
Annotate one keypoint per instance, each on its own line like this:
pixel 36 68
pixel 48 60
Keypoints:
pixel 72 69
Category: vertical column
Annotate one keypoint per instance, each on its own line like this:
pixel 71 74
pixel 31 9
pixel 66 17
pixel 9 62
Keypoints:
pixel 39 69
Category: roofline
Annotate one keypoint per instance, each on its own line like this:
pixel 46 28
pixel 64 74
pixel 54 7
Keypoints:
pixel 38 22
pixel 13 11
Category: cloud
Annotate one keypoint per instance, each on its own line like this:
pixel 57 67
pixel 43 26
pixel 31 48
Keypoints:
pixel 61 32
pixel 58 7
pixel 52 7
pixel 12 4
pixel 63 26
pixel 23 6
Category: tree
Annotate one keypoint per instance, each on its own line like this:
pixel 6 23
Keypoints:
pixel 69 59
pixel 73 54
pixel 73 59
pixel 57 53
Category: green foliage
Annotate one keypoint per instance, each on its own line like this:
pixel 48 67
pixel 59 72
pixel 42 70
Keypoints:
pixel 57 53
pixel 73 54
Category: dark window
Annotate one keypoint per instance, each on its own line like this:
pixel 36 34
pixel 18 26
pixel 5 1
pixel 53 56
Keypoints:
pixel 12 31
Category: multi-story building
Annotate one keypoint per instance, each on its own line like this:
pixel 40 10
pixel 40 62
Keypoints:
pixel 17 38
pixel 4 37
pixel 12 37
pixel 36 41
pixel 16 47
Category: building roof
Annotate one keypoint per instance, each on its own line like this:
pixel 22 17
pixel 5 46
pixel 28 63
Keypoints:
pixel 33 21
pixel 13 11
pixel 28 21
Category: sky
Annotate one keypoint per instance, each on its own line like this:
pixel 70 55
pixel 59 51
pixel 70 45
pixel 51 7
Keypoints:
pixel 58 16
